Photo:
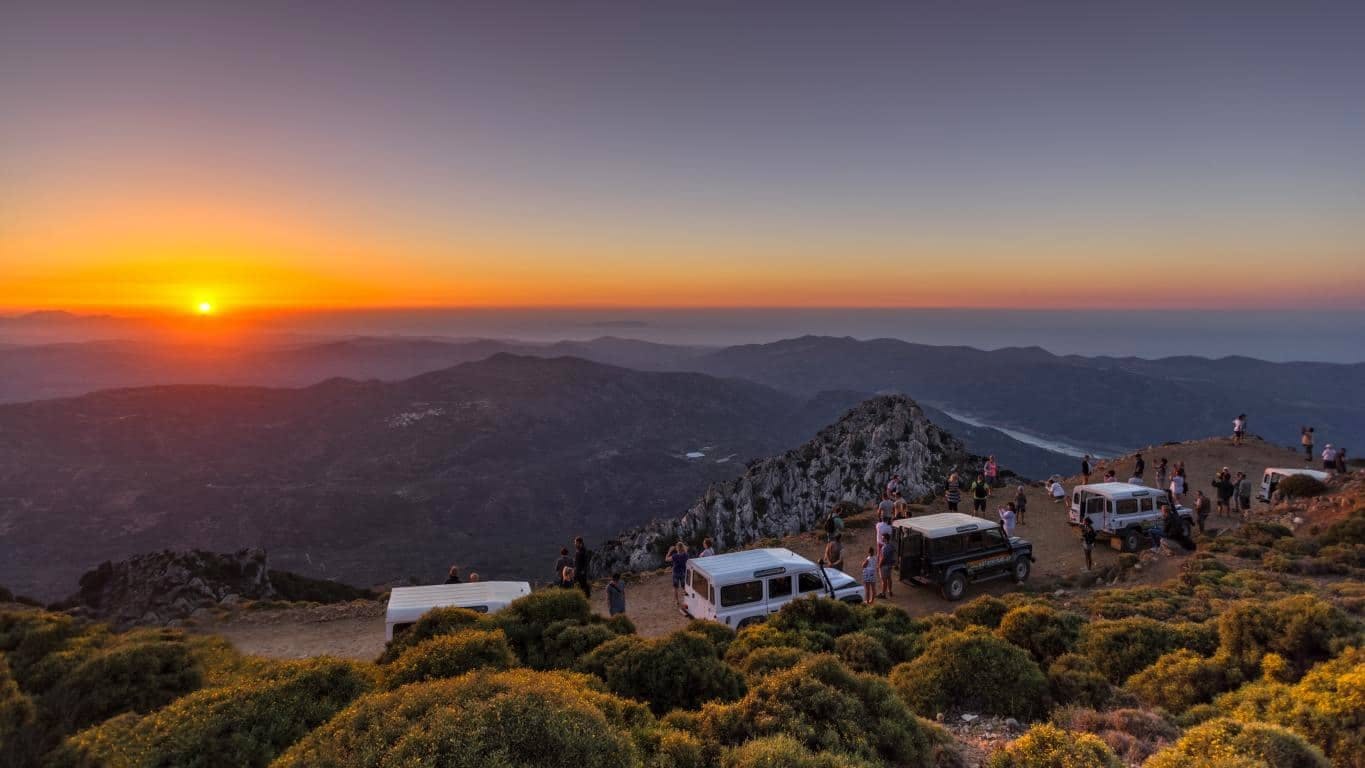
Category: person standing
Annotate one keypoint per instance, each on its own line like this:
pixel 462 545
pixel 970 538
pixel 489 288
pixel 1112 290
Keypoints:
pixel 1139 466
pixel 870 577
pixel 1177 488
pixel 893 487
pixel 886 558
pixel 1087 540
pixel 952 492
pixel 981 491
pixel 1225 488
pixel 1306 440
pixel 677 557
pixel 1243 484
pixel 884 530
pixel 706 549
pixel 616 596
pixel 992 471
pixel 1239 428
pixel 566 577
pixel 1085 470
pixel 1162 474
pixel 453 575
pixel 834 525
pixel 582 558
pixel 1058 491
pixel 1201 509
pixel 563 562
pixel 886 508
pixel 1329 458
pixel 1007 516
pixel 1341 460
pixel 834 553
pixel 1020 504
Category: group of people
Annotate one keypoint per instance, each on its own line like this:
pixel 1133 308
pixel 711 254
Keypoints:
pixel 1333 457
pixel 677 558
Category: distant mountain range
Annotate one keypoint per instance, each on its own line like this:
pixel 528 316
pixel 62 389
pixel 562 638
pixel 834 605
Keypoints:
pixel 492 464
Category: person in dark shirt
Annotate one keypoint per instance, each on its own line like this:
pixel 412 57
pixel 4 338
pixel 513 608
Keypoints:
pixel 952 492
pixel 564 561
pixel 1087 541
pixel 1085 470
pixel 581 559
pixel 1225 488
pixel 1020 504
pixel 453 575
pixel 678 557
pixel 1139 466
pixel 1201 509
pixel 616 596
pixel 981 490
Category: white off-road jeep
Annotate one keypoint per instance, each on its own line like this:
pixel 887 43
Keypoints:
pixel 1124 511
pixel 741 588
pixel 407 604
pixel 1273 475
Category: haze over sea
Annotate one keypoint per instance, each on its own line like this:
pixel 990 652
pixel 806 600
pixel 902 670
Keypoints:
pixel 1329 336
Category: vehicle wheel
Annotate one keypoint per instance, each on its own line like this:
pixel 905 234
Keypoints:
pixel 1186 529
pixel 955 587
pixel 749 622
pixel 1132 540
pixel 1022 566
pixel 854 600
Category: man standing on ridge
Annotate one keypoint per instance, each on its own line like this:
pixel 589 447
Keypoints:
pixel 981 490
pixel 1239 428
pixel 581 559
pixel 1139 466
pixel 1085 470
pixel 1306 440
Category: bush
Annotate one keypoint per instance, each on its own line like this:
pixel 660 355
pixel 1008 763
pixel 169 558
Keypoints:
pixel 450 656
pixel 1073 679
pixel 862 652
pixel 1047 746
pixel 972 671
pixel 1042 630
pixel 565 642
pixel 1327 706
pixel 985 611
pixel 517 717
pixel 766 636
pixel 136 672
pixel 295 588
pixel 1180 680
pixel 434 623
pixel 720 635
pixel 1133 734
pixel 1300 487
pixel 827 709
pixel 1302 629
pixel 526 620
pixel 680 670
pixel 17 716
pixel 1122 647
pixel 764 661
pixel 247 724
pixel 29 638
pixel 1226 742
pixel 786 752
pixel 823 615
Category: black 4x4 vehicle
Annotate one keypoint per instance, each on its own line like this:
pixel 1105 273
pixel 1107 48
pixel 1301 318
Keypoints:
pixel 951 549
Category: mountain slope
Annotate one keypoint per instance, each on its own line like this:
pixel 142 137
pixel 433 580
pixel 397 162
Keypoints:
pixel 492 464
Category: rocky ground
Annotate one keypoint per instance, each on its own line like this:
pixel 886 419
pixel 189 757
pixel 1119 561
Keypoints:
pixel 357 629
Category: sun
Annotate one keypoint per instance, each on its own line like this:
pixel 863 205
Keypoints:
pixel 205 308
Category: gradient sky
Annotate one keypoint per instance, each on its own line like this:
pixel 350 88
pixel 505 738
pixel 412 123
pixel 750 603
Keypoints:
pixel 1010 154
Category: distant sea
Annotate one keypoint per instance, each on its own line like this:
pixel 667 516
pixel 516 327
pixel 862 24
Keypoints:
pixel 1329 336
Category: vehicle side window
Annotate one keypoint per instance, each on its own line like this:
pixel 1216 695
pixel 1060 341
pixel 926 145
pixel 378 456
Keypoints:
pixel 992 537
pixel 809 582
pixel 1147 504
pixel 477 608
pixel 913 545
pixel 780 586
pixel 1126 506
pixel 701 586
pixel 739 594
pixel 1094 506
pixel 948 545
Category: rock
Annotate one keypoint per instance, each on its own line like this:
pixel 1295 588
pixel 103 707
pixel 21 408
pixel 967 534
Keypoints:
pixel 848 463
pixel 967 718
pixel 163 586
pixel 231 600
pixel 939 717
pixel 1011 723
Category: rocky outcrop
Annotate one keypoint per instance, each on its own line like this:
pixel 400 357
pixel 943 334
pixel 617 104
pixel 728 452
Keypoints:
pixel 849 462
pixel 156 588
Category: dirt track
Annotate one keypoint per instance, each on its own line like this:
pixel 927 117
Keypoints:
pixel 359 632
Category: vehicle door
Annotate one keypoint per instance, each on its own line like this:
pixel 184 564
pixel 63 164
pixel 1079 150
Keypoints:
pixel 813 584
pixel 988 552
pixel 1126 512
pixel 779 590
pixel 699 596
pixel 742 602
pixel 1097 509
pixel 912 554
pixel 945 553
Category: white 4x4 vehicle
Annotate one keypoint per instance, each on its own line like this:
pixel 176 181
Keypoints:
pixel 1273 475
pixel 741 588
pixel 1124 511
pixel 408 604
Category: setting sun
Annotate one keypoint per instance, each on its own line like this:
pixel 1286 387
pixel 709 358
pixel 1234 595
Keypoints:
pixel 205 308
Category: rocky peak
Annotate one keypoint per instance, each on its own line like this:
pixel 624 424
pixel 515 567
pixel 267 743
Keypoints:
pixel 849 461
pixel 154 588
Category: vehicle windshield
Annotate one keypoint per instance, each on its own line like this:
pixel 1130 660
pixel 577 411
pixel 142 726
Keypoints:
pixel 839 579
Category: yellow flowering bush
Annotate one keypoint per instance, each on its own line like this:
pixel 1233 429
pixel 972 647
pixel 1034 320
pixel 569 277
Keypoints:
pixel 1227 743
pixel 1047 746
pixel 450 656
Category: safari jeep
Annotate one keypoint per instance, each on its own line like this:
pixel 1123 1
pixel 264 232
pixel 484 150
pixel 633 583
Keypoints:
pixel 407 604
pixel 1273 475
pixel 742 588
pixel 951 549
pixel 1123 512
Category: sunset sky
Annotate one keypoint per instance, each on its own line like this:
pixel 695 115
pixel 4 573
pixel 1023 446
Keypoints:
pixel 157 155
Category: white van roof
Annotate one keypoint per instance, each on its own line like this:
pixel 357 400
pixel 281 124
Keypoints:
pixel 749 564
pixel 1319 474
pixel 407 604
pixel 944 524
pixel 1118 489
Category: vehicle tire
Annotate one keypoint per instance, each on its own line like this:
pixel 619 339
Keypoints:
pixel 749 622
pixel 1022 566
pixel 1186 529
pixel 955 587
pixel 1132 540
pixel 854 600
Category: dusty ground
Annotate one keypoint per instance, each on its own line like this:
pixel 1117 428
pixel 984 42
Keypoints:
pixel 358 630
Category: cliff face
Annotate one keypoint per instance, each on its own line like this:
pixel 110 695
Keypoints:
pixel 849 461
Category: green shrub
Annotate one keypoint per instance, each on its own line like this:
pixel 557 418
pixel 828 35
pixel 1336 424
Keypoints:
pixel 450 656
pixel 720 635
pixel 526 620
pixel 1073 679
pixel 1047 746
pixel 30 638
pixel 1121 648
pixel 1303 629
pixel 826 708
pixel 973 671
pixel 1042 630
pixel 434 623
pixel 767 636
pixel 1349 531
pixel 985 611
pixel 786 752
pixel 1161 603
pixel 762 662
pixel 680 670
pixel 17 719
pixel 1226 742
pixel 1133 734
pixel 247 724
pixel 862 652
pixel 564 643
pixel 136 672
pixel 1180 680
pixel 1300 487
pixel 1327 706
pixel 514 718
pixel 295 588
pixel 823 615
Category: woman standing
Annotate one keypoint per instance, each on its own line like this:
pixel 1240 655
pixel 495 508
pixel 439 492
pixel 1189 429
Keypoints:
pixel 953 492
pixel 1020 503
pixel 992 471
pixel 1306 440
pixel 1162 474
pixel 870 577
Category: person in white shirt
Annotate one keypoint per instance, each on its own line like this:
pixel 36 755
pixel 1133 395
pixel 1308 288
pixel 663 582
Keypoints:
pixel 1058 492
pixel 1239 428
pixel 1135 480
pixel 1177 488
pixel 1329 458
pixel 884 529
pixel 1007 518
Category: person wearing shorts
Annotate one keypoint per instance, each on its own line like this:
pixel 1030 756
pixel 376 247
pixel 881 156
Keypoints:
pixel 677 557
pixel 1088 541
pixel 886 558
pixel 981 490
pixel 870 576
pixel 952 492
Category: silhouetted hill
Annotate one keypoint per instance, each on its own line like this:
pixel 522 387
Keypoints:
pixel 491 464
